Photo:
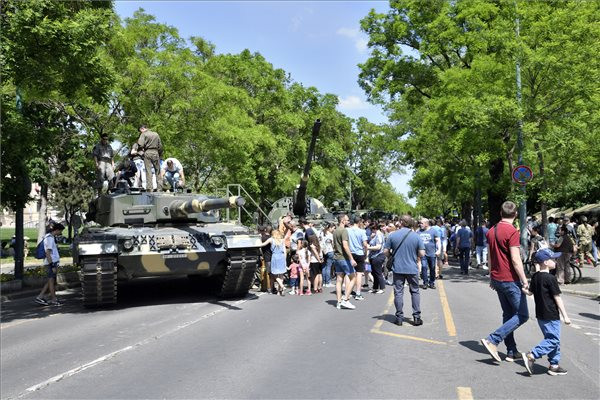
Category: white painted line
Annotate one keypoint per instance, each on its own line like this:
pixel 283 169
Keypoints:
pixel 591 334
pixel 100 360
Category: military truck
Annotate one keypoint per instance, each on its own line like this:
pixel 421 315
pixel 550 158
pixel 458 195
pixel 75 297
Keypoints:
pixel 145 234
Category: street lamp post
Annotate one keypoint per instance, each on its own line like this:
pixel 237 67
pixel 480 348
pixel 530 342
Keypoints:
pixel 523 204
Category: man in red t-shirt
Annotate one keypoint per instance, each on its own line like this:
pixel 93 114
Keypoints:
pixel 508 280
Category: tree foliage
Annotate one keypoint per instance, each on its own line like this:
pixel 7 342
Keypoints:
pixel 446 72
pixel 229 118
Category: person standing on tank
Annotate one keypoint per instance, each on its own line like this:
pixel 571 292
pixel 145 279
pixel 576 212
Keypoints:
pixel 103 154
pixel 149 142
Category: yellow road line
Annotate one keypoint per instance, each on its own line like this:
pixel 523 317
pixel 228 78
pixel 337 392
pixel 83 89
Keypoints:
pixel 446 308
pixel 406 336
pixel 464 393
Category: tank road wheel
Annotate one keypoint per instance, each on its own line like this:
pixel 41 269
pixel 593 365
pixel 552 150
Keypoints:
pixel 99 281
pixel 239 274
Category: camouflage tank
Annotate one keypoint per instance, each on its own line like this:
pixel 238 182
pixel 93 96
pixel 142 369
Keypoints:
pixel 144 234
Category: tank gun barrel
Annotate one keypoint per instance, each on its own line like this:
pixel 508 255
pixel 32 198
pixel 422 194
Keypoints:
pixel 181 208
pixel 300 200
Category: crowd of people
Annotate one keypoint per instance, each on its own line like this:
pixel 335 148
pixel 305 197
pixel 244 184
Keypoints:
pixel 302 255
pixel 143 167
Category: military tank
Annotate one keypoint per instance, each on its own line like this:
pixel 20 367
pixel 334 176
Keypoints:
pixel 145 234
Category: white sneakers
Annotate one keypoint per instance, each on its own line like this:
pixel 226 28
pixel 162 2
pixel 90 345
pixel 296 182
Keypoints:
pixel 347 304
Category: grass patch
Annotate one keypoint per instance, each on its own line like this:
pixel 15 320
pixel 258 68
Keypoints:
pixel 64 250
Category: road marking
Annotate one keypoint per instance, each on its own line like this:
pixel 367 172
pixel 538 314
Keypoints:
pixel 99 360
pixel 446 308
pixel 376 328
pixel 464 393
pixel 419 339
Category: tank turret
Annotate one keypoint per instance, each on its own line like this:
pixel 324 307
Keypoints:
pixel 142 208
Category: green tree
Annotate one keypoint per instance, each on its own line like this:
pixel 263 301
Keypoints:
pixel 446 72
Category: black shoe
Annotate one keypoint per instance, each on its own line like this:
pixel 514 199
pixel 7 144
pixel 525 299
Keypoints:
pixel 398 322
pixel 424 287
pixel 441 277
pixel 417 321
pixel 432 286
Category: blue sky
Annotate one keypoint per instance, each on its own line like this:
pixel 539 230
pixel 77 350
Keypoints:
pixel 318 43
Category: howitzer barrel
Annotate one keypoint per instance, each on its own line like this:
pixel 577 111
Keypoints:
pixel 181 208
pixel 300 197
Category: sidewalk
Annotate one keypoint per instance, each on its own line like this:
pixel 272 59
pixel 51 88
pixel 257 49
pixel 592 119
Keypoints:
pixel 588 285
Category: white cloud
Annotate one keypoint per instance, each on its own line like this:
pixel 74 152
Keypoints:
pixel 351 103
pixel 351 33
pixel 296 23
pixel 359 39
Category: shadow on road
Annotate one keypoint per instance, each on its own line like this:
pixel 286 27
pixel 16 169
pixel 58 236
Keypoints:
pixel 591 316
pixel 136 293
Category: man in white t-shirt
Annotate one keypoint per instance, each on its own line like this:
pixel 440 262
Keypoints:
pixel 51 263
pixel 172 171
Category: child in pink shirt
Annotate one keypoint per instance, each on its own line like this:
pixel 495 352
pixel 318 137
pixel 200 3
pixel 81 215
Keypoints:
pixel 295 269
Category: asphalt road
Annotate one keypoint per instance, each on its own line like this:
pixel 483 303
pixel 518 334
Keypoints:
pixel 166 339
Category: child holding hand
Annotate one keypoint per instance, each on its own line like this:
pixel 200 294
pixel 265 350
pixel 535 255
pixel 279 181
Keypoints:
pixel 548 304
pixel 295 269
pixel 304 256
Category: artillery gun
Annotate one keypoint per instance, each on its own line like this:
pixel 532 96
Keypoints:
pixel 143 234
pixel 300 204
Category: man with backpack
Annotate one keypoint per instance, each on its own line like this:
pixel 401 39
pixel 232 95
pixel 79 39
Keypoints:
pixel 48 250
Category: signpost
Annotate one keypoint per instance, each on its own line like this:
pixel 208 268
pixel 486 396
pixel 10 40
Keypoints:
pixel 522 174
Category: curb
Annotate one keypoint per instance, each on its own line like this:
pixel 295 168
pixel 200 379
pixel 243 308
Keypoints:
pixel 590 295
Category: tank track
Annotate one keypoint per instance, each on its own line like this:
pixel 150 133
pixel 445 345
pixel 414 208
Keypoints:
pixel 239 274
pixel 99 281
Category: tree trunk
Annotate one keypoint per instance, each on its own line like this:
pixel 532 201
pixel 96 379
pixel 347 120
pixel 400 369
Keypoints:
pixel 43 211
pixel 466 211
pixel 19 242
pixel 495 196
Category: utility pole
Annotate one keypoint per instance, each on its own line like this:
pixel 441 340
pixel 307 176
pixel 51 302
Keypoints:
pixel 523 205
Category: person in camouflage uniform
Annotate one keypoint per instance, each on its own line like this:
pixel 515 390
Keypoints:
pixel 585 232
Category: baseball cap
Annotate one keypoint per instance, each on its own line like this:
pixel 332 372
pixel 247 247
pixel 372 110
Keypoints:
pixel 546 254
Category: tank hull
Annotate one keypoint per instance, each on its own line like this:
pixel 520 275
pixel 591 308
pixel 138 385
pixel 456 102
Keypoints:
pixel 226 251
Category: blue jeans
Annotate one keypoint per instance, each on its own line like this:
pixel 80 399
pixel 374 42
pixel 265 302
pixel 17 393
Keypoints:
pixel 595 251
pixel 428 265
pixel 551 343
pixel 465 256
pixel 172 178
pixel 514 312
pixel 326 267
pixel 413 285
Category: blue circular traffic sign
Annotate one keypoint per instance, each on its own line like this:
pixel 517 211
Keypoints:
pixel 522 174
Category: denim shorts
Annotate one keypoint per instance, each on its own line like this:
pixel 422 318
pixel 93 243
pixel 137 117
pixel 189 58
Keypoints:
pixel 343 267
pixel 52 269
pixel 293 282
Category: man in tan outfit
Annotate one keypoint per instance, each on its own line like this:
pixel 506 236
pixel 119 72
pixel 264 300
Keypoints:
pixel 585 232
pixel 149 142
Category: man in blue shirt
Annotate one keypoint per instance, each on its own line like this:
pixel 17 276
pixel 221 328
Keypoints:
pixel 405 246
pixel 481 249
pixel 463 244
pixel 431 239
pixel 357 240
